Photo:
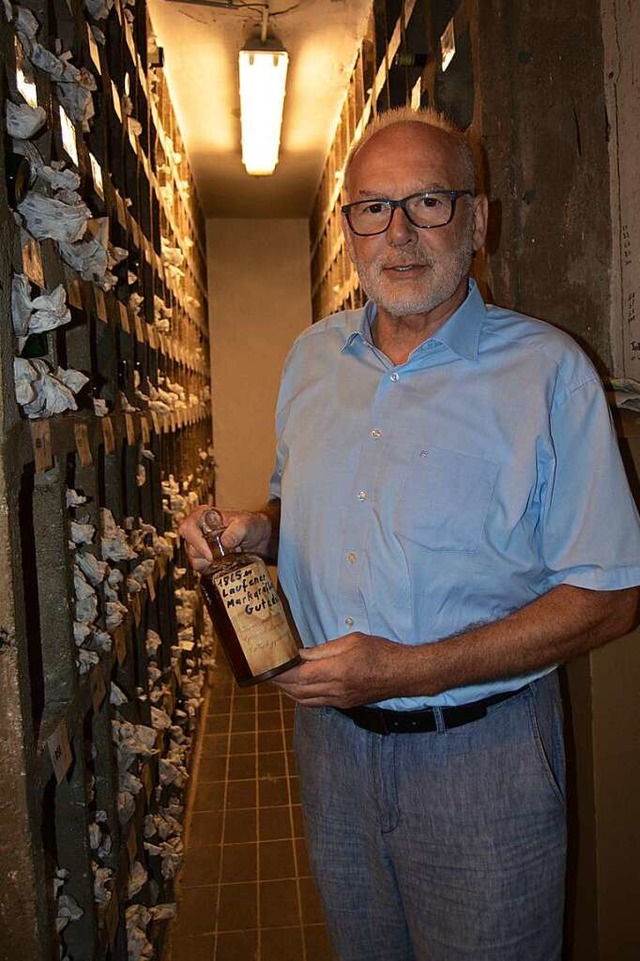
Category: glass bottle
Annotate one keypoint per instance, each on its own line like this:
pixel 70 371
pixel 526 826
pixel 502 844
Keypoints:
pixel 246 611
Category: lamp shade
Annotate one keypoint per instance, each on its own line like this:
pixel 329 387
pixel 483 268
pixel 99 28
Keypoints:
pixel 263 75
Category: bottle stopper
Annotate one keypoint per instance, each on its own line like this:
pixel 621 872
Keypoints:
pixel 211 523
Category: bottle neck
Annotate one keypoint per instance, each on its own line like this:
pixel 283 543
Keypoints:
pixel 213 539
pixel 212 530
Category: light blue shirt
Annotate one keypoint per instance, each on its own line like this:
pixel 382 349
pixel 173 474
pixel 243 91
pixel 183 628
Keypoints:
pixel 423 499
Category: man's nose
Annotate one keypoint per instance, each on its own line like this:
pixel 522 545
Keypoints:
pixel 400 229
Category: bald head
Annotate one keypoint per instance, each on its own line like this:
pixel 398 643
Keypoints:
pixel 422 131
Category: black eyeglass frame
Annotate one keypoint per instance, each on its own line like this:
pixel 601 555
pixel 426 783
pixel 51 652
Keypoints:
pixel 402 204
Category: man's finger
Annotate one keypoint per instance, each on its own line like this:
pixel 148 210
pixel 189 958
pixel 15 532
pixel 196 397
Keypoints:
pixel 234 533
pixel 320 651
pixel 196 545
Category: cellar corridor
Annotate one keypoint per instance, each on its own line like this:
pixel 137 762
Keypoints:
pixel 151 287
pixel 246 888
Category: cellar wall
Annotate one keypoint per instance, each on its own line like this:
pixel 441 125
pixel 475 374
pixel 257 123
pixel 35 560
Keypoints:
pixel 260 301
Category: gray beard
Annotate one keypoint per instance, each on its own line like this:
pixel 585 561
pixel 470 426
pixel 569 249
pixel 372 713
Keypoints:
pixel 445 278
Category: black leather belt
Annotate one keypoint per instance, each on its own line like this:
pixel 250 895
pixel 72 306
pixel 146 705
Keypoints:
pixel 380 720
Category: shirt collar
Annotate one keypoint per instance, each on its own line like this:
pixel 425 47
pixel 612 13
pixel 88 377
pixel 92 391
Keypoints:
pixel 358 325
pixel 461 332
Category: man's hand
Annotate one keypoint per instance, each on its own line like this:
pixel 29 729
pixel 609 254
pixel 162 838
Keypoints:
pixel 359 668
pixel 252 531
pixel 351 670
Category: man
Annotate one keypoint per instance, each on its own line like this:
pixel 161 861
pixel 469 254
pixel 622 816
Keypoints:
pixel 455 522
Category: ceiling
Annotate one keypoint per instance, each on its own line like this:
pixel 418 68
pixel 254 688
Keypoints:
pixel 201 44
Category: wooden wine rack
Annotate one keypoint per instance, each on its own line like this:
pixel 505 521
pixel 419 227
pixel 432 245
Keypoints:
pixel 57 755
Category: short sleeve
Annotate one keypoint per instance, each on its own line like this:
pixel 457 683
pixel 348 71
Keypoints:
pixel 275 484
pixel 590 527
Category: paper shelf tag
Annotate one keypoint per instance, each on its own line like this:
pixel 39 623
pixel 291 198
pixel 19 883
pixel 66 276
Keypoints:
pixel 93 49
pixel 41 436
pixel 130 426
pixel 147 780
pixel 82 444
pixel 68 134
pixel 124 317
pixel 115 99
pixel 107 434
pixel 136 607
pixel 121 644
pixel 101 304
pixel 128 36
pixel 32 259
pixel 141 74
pixel 74 293
pixel 60 751
pixel 121 212
pixel 96 175
pixel 113 918
pixel 140 329
pixel 24 83
pixel 169 704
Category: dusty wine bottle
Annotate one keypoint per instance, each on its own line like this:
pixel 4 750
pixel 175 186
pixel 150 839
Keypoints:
pixel 246 611
pixel 404 58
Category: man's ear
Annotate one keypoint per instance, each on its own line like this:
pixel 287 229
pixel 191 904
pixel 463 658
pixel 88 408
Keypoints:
pixel 480 220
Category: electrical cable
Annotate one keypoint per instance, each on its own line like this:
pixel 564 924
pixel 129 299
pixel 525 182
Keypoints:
pixel 239 5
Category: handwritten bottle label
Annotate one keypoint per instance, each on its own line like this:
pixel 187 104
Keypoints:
pixel 257 615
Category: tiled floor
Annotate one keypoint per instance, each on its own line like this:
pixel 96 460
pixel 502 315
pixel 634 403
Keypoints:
pixel 246 891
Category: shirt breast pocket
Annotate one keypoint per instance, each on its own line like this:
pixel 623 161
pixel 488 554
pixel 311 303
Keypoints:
pixel 445 499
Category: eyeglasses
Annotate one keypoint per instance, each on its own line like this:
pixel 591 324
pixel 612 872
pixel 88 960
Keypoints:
pixel 433 208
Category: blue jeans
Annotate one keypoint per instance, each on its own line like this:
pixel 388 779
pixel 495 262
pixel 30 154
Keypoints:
pixel 445 846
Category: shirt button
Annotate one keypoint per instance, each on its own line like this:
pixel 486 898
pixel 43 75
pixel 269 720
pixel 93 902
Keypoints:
pixel 362 495
pixel 375 433
pixel 352 557
pixel 394 377
pixel 348 621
